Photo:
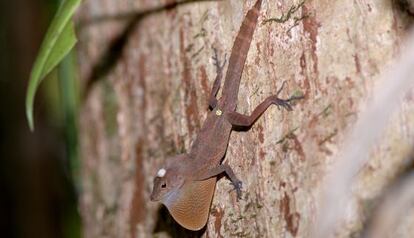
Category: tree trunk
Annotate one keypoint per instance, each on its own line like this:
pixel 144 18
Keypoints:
pixel 147 71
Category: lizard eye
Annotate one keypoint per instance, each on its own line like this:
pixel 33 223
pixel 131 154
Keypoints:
pixel 163 185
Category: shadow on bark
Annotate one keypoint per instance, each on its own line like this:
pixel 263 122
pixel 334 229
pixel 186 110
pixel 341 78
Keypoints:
pixel 113 52
pixel 373 207
pixel 165 223
pixel 405 6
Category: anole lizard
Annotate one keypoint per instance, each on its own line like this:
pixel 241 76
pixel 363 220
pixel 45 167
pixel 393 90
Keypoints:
pixel 186 183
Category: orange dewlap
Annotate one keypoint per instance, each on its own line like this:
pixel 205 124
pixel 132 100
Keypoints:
pixel 192 208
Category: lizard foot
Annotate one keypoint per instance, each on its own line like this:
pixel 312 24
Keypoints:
pixel 238 186
pixel 284 103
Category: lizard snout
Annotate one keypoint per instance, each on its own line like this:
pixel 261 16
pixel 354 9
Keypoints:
pixel 152 197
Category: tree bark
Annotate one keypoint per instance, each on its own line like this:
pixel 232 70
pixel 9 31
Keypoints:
pixel 148 72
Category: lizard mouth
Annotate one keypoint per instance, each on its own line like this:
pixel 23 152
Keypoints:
pixel 153 198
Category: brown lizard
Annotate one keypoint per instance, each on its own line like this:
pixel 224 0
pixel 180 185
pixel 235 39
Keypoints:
pixel 186 183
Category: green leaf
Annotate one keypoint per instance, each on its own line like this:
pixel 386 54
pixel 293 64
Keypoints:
pixel 59 40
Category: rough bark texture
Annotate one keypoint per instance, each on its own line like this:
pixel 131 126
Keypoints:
pixel 148 76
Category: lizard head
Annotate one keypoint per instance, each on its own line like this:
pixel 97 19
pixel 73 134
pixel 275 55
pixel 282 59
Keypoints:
pixel 168 179
pixel 187 200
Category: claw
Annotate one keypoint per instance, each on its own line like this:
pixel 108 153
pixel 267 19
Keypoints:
pixel 285 103
pixel 281 88
pixel 238 186
pixel 295 98
pixel 216 60
pixel 224 62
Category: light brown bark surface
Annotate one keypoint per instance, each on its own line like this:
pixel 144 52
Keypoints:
pixel 150 104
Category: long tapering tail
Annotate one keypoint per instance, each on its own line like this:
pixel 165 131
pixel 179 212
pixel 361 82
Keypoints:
pixel 238 58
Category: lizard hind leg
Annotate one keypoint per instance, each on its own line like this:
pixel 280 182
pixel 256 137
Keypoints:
pixel 240 120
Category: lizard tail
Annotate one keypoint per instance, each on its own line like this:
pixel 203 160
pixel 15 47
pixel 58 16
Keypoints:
pixel 238 57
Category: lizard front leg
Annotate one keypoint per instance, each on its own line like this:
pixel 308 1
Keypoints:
pixel 224 168
pixel 240 120
pixel 212 102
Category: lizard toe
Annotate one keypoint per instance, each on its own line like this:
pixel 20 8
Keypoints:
pixel 238 186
